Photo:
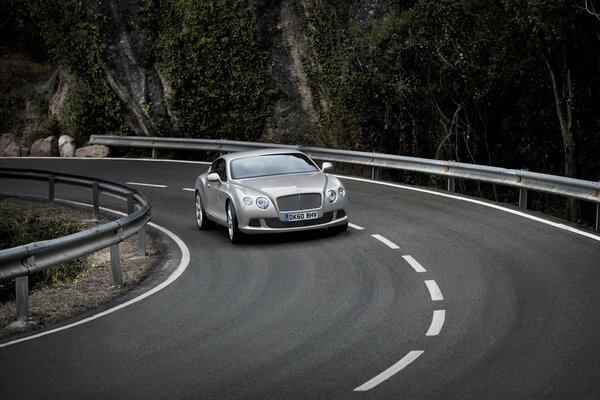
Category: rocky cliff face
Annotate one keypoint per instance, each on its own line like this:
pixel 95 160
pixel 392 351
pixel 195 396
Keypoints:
pixel 163 72
pixel 129 69
pixel 138 84
pixel 294 115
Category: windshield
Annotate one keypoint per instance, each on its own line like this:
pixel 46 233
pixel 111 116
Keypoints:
pixel 271 164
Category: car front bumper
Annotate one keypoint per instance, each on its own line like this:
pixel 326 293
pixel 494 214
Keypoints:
pixel 275 225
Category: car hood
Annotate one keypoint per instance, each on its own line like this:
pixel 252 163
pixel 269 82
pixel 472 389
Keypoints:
pixel 282 185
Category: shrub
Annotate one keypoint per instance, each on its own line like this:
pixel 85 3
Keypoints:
pixel 22 225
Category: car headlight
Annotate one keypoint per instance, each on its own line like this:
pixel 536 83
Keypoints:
pixel 262 203
pixel 247 201
pixel 341 191
pixel 331 196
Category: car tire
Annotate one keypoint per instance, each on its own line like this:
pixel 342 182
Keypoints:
pixel 235 236
pixel 201 220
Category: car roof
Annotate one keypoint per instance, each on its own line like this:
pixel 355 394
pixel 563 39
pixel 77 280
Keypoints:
pixel 261 152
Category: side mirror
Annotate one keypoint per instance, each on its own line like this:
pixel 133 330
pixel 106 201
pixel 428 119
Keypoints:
pixel 214 177
pixel 327 166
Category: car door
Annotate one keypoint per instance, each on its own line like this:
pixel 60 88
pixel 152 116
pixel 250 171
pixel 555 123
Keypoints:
pixel 216 192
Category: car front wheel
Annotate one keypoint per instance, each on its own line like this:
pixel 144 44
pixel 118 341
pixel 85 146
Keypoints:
pixel 201 220
pixel 232 224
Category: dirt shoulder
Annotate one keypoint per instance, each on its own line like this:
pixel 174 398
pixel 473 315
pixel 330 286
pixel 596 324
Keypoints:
pixel 90 289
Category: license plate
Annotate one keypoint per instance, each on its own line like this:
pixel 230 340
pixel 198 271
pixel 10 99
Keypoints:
pixel 302 216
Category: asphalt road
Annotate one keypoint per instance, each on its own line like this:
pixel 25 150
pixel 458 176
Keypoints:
pixel 489 305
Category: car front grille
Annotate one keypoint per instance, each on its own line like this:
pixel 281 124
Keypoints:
pixel 275 223
pixel 296 202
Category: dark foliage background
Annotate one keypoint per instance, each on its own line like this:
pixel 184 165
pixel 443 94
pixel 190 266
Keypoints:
pixel 509 83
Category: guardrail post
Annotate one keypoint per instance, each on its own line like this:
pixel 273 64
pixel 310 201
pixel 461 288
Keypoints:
pixel 130 203
pixel 374 173
pixel 597 216
pixel 22 293
pixel 523 198
pixel 142 232
pixel 51 189
pixel 154 153
pixel 142 241
pixel 96 196
pixel 451 184
pixel 115 260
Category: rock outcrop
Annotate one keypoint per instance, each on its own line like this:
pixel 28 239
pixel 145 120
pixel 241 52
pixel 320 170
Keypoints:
pixel 66 146
pixel 47 147
pixel 8 146
pixel 134 78
pixel 294 116
pixel 96 150
pixel 129 69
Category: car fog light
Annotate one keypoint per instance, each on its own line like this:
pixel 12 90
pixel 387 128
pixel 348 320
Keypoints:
pixel 262 203
pixel 331 196
pixel 247 201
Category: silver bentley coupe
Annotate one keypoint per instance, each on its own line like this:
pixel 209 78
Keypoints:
pixel 269 191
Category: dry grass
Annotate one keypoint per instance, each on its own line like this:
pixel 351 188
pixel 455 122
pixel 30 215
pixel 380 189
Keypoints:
pixel 89 290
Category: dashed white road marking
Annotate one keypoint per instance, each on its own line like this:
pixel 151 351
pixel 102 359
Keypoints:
pixel 388 373
pixel 189 189
pixel 385 241
pixel 413 263
pixel 354 226
pixel 147 185
pixel 437 322
pixel 434 290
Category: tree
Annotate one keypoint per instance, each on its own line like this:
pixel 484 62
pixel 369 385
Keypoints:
pixel 563 37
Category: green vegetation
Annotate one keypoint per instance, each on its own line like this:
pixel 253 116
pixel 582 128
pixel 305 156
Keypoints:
pixel 73 41
pixel 469 80
pixel 512 83
pixel 21 225
pixel 208 53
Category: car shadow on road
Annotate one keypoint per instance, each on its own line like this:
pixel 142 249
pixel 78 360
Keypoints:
pixel 287 238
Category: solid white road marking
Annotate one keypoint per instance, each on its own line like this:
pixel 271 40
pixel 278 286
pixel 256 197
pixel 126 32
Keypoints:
pixel 434 290
pixel 387 242
pixel 437 322
pixel 183 264
pixel 388 373
pixel 413 263
pixel 147 184
pixel 481 203
pixel 353 226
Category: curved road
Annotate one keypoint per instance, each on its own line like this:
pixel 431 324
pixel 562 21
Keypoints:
pixel 435 298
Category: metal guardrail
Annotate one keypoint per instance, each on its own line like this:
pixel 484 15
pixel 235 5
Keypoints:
pixel 20 262
pixel 521 179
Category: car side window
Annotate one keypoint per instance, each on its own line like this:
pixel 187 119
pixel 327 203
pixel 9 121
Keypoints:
pixel 213 167
pixel 220 168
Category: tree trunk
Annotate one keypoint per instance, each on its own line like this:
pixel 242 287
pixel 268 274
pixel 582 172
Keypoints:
pixel 563 98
